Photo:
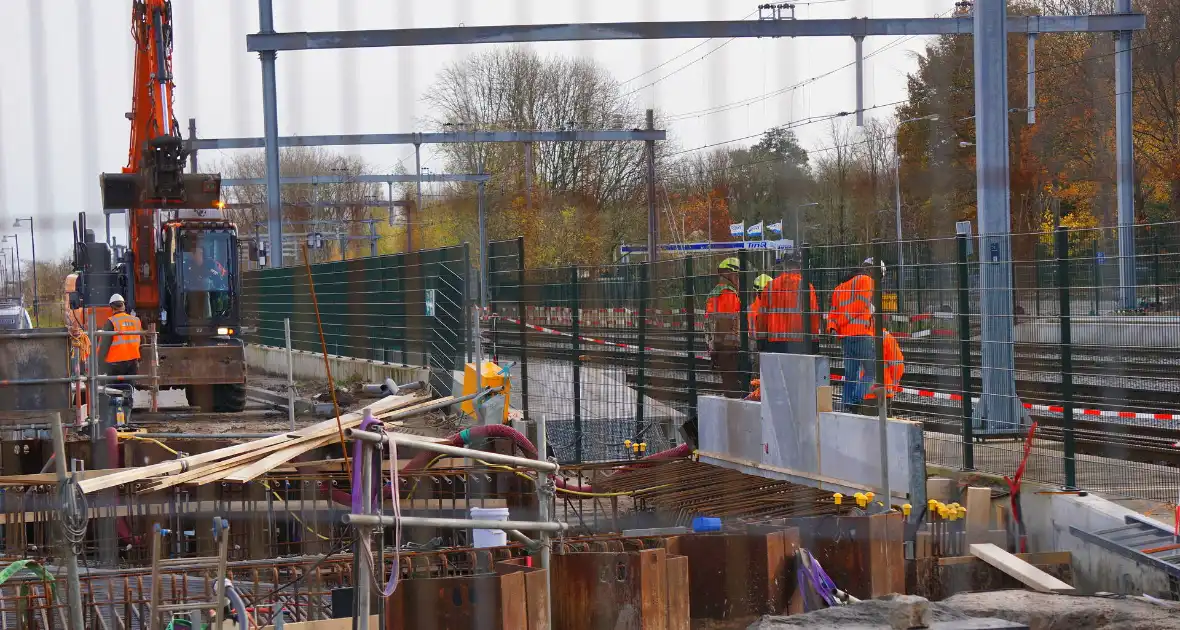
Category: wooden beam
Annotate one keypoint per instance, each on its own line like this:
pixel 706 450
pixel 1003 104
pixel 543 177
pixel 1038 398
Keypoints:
pixel 1026 573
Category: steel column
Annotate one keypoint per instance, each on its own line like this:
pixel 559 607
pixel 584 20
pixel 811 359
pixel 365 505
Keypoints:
pixel 1032 78
pixel 270 120
pixel 999 407
pixel 1125 151
pixel 879 358
pixel 524 339
pixel 860 80
pixel 64 480
pixel 576 361
pixel 653 225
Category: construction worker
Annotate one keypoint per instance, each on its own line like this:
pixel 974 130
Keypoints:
pixel 851 320
pixel 722 327
pixel 755 308
pixel 120 352
pixel 894 369
pixel 781 318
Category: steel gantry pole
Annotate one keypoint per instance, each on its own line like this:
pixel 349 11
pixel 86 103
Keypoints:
pixel 270 120
pixel 999 408
pixel 653 225
pixel 1125 152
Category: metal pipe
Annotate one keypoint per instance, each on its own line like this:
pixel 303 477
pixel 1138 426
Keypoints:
pixel 362 559
pixel 520 536
pixel 35 335
pixel 207 436
pixel 544 496
pixel 388 520
pixel 270 120
pixel 290 374
pixel 457 451
pixel 74 593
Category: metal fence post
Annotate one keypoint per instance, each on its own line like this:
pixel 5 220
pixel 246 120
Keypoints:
pixel 803 299
pixel 576 361
pixel 641 373
pixel 1097 279
pixel 1061 241
pixel 690 329
pixel 524 341
pixel 965 352
pixel 466 309
pixel 879 380
pixel 745 367
pixel 1157 271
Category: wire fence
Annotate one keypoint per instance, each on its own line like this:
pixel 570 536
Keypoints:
pixel 613 357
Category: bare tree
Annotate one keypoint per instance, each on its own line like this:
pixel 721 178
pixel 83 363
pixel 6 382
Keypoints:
pixel 336 210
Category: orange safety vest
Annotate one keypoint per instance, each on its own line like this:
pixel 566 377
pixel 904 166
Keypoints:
pixel 752 317
pixel 852 308
pixel 782 316
pixel 722 310
pixel 124 347
pixel 894 367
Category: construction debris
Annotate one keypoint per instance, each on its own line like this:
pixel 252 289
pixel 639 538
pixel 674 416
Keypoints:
pixel 243 462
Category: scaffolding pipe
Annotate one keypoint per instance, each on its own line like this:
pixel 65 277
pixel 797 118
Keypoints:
pixel 457 451
pixel 388 520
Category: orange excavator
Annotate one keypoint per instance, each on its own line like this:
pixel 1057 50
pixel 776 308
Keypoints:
pixel 179 268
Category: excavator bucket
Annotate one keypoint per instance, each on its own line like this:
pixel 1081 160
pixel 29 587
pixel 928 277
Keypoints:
pixel 122 191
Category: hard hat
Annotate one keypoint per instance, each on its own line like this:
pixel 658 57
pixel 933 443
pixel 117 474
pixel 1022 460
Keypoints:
pixel 730 264
pixel 116 299
pixel 761 281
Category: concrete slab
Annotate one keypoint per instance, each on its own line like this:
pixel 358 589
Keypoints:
pixel 789 413
pixel 850 451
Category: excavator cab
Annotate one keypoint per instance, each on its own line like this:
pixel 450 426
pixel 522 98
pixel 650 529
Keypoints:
pixel 200 269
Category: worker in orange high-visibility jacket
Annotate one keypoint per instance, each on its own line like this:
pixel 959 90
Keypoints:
pixel 851 320
pixel 782 316
pixel 722 327
pixel 756 307
pixel 120 352
pixel 894 368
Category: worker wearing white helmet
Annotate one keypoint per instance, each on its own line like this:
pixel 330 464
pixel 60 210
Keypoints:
pixel 120 351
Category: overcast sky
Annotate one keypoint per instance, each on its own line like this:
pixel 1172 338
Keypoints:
pixel 66 66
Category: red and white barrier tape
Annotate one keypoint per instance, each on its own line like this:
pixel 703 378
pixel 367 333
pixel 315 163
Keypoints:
pixel 1100 413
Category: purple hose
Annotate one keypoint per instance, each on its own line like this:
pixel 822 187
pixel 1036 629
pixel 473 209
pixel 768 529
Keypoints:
pixel 357 507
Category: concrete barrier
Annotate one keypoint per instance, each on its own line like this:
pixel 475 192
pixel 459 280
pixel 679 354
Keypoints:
pixel 784 437
pixel 1147 331
pixel 310 366
pixel 1047 519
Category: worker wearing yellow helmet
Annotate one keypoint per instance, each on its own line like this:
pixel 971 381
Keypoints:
pixel 722 330
pixel 760 284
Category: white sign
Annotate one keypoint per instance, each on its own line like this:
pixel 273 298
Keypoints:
pixel 430 302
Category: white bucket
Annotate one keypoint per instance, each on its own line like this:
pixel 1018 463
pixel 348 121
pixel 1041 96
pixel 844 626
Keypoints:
pixel 489 537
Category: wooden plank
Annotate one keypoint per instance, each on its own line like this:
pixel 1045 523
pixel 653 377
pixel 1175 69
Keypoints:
pixel 1039 558
pixel 278 458
pixel 1026 573
pixel 940 489
pixel 169 467
pixel 978 502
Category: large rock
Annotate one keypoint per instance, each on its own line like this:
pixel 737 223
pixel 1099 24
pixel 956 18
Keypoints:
pixel 894 612
pixel 1043 611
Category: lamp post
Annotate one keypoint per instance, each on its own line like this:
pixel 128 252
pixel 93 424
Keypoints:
pixel 33 241
pixel 798 211
pixel 10 277
pixel 897 201
pixel 20 285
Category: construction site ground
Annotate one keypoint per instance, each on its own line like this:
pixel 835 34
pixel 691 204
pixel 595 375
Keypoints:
pixel 1038 611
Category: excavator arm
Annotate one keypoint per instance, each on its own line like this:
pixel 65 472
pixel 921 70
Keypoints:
pixel 154 177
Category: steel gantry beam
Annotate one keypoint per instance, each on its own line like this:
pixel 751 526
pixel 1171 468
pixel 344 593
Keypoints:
pixel 452 137
pixel 517 33
pixel 363 179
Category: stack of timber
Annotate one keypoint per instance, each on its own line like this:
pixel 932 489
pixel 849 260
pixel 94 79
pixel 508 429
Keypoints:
pixel 250 460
